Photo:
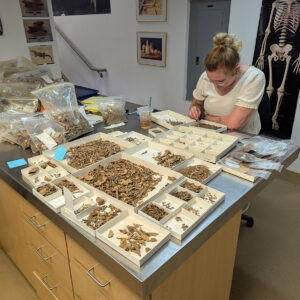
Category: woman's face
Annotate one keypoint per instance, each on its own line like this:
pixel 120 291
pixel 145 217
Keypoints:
pixel 220 79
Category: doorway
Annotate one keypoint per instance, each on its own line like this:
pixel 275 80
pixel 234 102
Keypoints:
pixel 206 19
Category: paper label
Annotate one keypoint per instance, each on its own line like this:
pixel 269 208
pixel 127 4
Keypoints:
pixel 68 199
pixel 60 153
pixel 49 131
pixel 47 79
pixel 47 140
pixel 17 163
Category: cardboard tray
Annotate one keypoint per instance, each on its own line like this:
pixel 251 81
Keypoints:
pixel 215 170
pixel 162 185
pixel 120 222
pixel 123 144
pixel 162 117
pixel 221 128
pixel 148 150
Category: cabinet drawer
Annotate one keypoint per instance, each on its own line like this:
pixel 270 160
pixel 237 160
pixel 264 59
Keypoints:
pixel 45 258
pixel 45 227
pixel 88 274
pixel 48 288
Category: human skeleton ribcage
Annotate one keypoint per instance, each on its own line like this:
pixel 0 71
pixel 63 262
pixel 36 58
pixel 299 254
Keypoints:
pixel 283 23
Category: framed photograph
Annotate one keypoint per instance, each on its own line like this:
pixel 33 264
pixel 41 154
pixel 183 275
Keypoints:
pixel 34 8
pixel 151 10
pixel 37 30
pixel 41 54
pixel 151 48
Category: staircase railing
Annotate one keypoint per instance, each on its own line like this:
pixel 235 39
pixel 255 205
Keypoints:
pixel 100 71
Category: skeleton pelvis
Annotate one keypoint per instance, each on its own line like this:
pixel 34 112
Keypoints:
pixel 280 53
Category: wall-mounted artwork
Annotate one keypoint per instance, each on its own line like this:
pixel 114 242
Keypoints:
pixel 34 8
pixel 277 55
pixel 151 48
pixel 41 54
pixel 151 10
pixel 80 7
pixel 1 28
pixel 37 30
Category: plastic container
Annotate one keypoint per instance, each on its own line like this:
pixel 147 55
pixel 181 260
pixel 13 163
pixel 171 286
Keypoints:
pixel 145 116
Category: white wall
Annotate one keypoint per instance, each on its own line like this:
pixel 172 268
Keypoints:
pixel 109 41
pixel 13 42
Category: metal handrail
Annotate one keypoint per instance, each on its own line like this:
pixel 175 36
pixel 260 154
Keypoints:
pixel 100 71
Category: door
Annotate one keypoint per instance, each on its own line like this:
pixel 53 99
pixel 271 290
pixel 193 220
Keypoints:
pixel 206 19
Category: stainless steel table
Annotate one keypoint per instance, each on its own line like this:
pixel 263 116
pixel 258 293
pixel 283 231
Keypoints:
pixel 170 256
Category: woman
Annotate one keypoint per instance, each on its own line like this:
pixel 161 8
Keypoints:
pixel 227 92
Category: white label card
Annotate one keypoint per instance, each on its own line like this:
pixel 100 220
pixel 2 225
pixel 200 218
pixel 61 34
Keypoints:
pixel 49 131
pixel 47 140
pixel 47 79
pixel 68 199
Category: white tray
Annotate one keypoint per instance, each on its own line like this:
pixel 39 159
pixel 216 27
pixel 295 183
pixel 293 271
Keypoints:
pixel 215 170
pixel 162 117
pixel 36 160
pixel 161 186
pixel 169 202
pixel 121 222
pixel 152 131
pixel 175 227
pixel 138 138
pixel 51 197
pixel 194 182
pixel 221 128
pixel 160 222
pixel 147 151
pixel 123 145
pixel 182 189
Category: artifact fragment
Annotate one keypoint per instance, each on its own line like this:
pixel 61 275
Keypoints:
pixel 207 126
pixel 123 180
pixel 91 152
pixel 101 215
pixel 48 164
pixel 69 185
pixel 155 212
pixel 135 238
pixel 171 178
pixel 83 207
pixel 178 219
pixel 110 234
pixel 47 190
pixel 184 227
pixel 192 187
pixel 33 171
pixel 47 179
pixel 169 159
pixel 210 198
pixel 167 205
pixel 174 122
pixel 156 131
pixel 183 195
pixel 144 152
pixel 197 172
pixel 194 211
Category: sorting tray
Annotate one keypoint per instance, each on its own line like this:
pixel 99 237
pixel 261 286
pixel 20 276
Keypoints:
pixel 49 198
pixel 145 215
pixel 36 160
pixel 215 169
pixel 120 222
pixel 149 150
pixel 160 187
pixel 221 127
pixel 175 227
pixel 78 218
pixel 204 144
pixel 169 202
pixel 135 138
pixel 181 189
pixel 155 131
pixel 162 118
pixel 123 145
pixel 197 183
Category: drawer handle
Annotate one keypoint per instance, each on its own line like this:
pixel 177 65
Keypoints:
pixel 46 284
pixel 37 251
pixel 34 223
pixel 98 282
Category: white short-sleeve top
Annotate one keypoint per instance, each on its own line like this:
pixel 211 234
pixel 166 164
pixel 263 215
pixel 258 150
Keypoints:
pixel 247 92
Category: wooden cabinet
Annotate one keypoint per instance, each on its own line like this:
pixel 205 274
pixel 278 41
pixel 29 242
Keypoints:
pixel 88 275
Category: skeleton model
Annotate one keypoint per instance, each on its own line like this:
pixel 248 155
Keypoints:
pixel 286 21
pixel 93 3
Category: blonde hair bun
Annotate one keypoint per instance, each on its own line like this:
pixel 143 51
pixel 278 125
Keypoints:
pixel 227 40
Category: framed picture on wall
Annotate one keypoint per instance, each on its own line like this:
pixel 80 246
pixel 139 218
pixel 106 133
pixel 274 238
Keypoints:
pixel 41 54
pixel 152 48
pixel 151 10
pixel 37 30
pixel 34 8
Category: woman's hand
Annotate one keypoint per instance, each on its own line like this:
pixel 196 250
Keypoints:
pixel 194 112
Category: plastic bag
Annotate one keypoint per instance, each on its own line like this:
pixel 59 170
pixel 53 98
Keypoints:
pixel 60 103
pixel 260 173
pixel 44 133
pixel 29 106
pixel 7 64
pixel 113 111
pixel 17 89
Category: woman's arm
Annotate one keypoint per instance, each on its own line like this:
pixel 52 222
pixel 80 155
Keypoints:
pixel 233 121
